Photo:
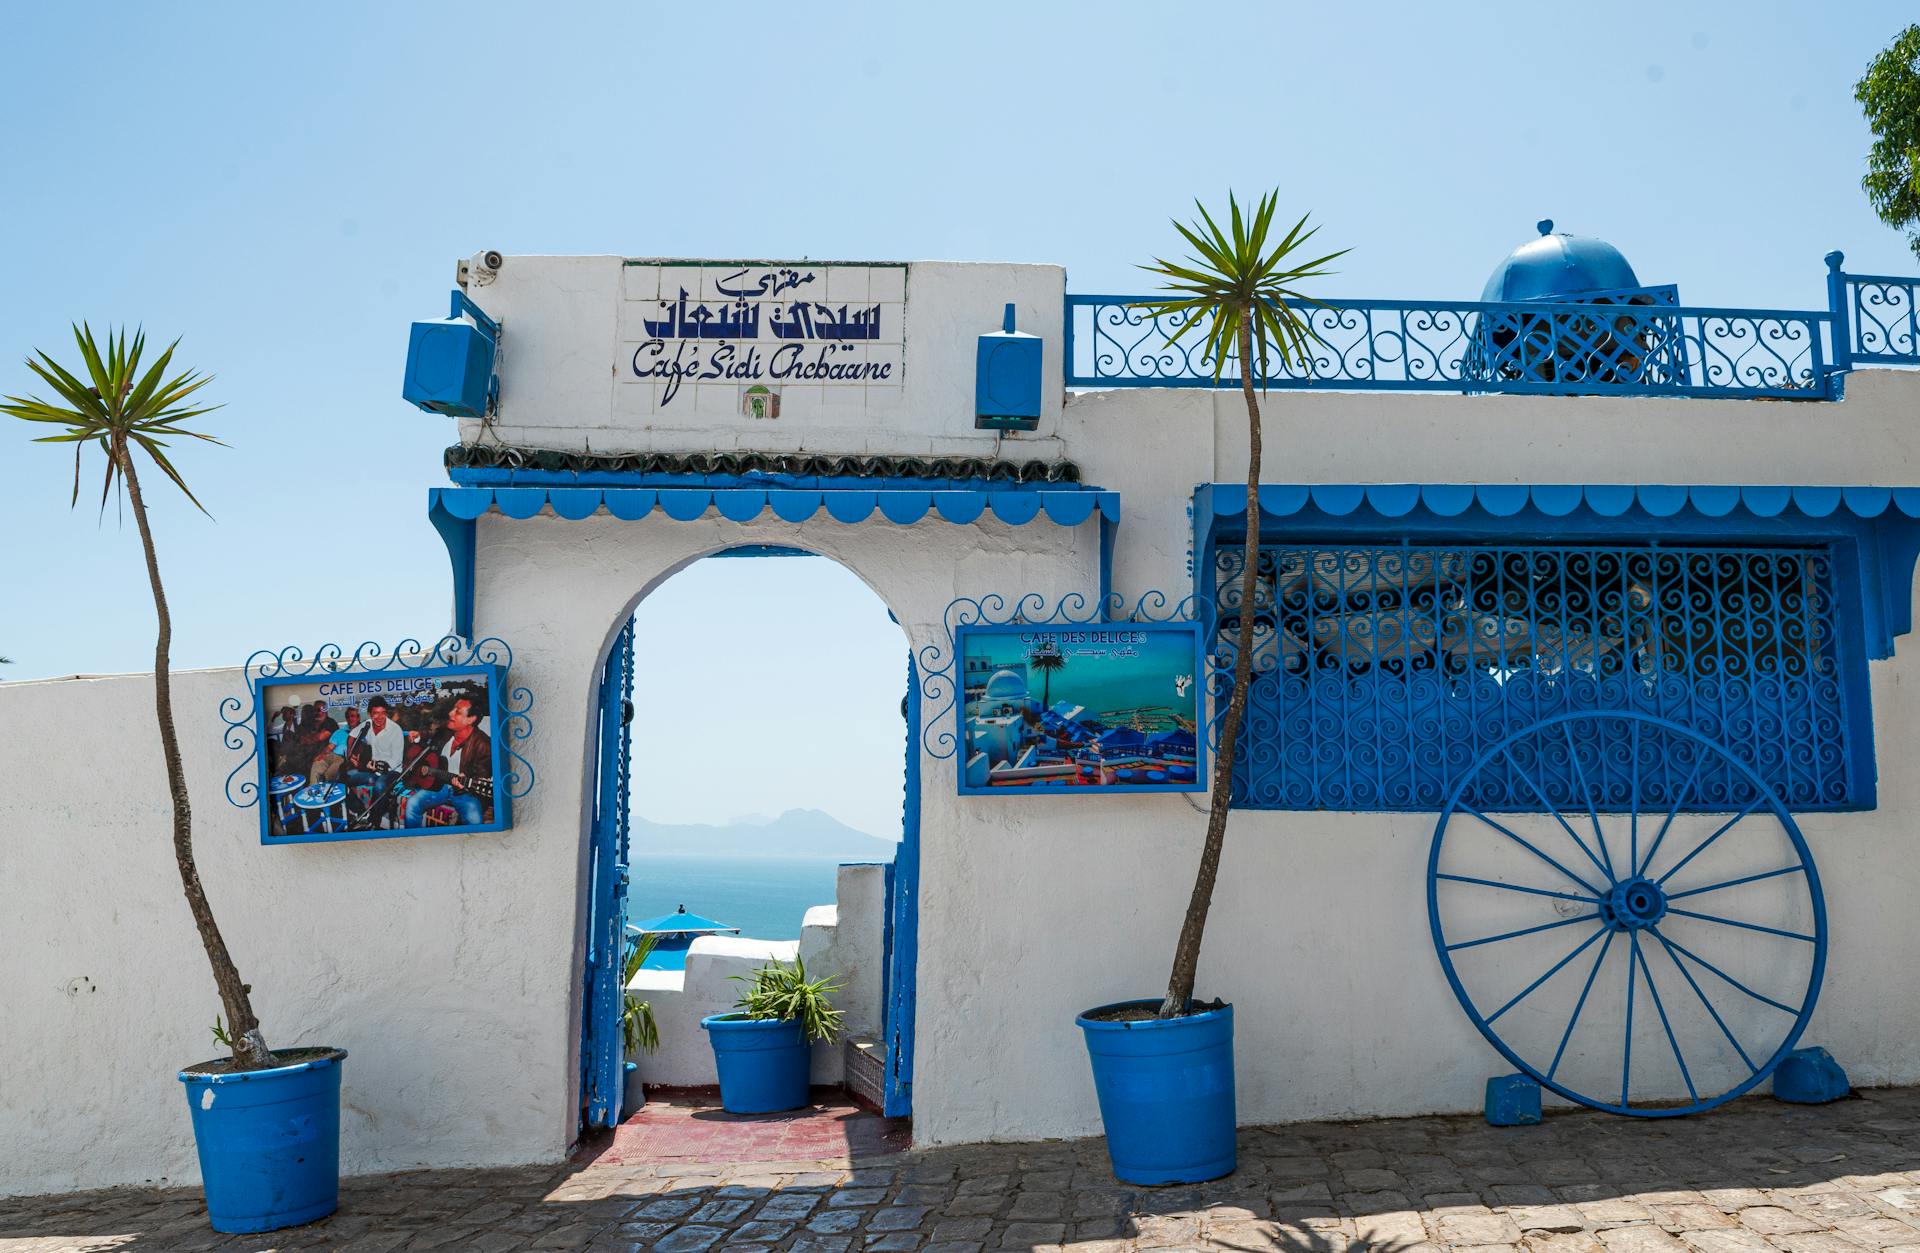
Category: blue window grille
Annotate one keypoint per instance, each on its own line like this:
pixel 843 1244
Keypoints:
pixel 1382 673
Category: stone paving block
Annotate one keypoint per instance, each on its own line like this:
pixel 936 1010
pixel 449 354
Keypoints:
pixel 898 1218
pixel 955 1246
pixel 853 1197
pixel 1032 1235
pixel 1561 1242
pixel 787 1206
pixel 1463 1227
pixel 1772 1220
pixel 1879 1232
pixel 1547 1218
pixel 893 1242
pixel 1906 1198
pixel 981 1185
pixel 1304 1194
pixel 1641 1239
pixel 1732 1200
pixel 1725 1240
pixel 821 1244
pixel 922 1194
pixel 835 1222
pixel 1815 1242
pixel 720 1211
pixel 961 1229
pixel 974 1206
pixel 690 1239
pixel 1613 1212
pixel 1521 1194
pixel 1689 1217
pixel 1829 1207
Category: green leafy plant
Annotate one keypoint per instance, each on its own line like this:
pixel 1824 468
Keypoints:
pixel 637 1026
pixel 783 991
pixel 127 408
pixel 1238 293
pixel 1889 95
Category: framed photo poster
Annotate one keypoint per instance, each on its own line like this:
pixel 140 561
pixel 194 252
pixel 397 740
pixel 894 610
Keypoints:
pixel 362 756
pixel 1109 707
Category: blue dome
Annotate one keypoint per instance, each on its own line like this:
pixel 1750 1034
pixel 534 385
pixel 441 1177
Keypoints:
pixel 1559 265
pixel 1006 685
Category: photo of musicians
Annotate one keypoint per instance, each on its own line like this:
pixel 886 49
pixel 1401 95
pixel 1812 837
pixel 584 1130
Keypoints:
pixel 362 754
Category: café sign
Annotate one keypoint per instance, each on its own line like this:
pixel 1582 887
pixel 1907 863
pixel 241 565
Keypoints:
pixel 750 338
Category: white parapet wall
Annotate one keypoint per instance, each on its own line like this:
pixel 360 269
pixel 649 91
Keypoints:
pixel 843 940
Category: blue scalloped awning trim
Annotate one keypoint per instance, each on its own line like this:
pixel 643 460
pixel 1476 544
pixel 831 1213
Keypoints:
pixel 1557 500
pixel 1016 506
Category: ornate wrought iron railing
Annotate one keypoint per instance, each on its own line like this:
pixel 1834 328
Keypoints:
pixel 1382 674
pixel 1642 349
pixel 1883 318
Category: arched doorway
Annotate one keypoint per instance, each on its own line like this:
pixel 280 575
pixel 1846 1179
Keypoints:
pixel 764 682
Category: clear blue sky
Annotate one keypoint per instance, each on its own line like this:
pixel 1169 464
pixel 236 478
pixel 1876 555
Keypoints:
pixel 288 187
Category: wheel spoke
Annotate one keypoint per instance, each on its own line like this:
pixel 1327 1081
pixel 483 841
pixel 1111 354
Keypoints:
pixel 1581 1003
pixel 1750 926
pixel 1730 883
pixel 1626 1043
pixel 1679 799
pixel 1586 794
pixel 1633 842
pixel 1665 1025
pixel 1695 985
pixel 1556 969
pixel 1513 935
pixel 1530 848
pixel 1704 963
pixel 1725 827
pixel 1514 887
pixel 1553 809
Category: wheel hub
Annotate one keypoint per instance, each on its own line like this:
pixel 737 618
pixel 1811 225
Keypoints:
pixel 1633 904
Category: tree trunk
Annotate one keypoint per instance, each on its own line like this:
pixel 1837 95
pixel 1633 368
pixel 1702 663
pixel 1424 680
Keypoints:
pixel 250 1051
pixel 1186 954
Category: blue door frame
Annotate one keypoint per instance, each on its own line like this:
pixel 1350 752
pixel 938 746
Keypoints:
pixel 602 1059
pixel 903 921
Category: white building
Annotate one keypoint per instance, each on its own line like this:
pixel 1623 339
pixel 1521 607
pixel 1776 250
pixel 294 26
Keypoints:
pixel 1451 546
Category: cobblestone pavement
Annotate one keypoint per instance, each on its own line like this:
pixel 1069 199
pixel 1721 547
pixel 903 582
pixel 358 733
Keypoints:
pixel 1755 1177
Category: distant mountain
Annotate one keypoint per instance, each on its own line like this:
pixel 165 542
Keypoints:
pixel 795 833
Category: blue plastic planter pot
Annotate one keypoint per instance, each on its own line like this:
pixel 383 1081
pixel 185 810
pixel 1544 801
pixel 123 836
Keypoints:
pixel 1166 1093
pixel 763 1062
pixel 269 1143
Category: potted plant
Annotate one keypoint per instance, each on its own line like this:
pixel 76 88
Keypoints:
pixel 266 1122
pixel 637 1028
pixel 1163 1069
pixel 763 1050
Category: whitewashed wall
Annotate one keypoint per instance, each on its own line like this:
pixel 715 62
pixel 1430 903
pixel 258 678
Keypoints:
pixel 449 966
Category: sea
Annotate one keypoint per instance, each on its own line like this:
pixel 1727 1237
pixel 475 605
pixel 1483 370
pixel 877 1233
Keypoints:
pixel 765 897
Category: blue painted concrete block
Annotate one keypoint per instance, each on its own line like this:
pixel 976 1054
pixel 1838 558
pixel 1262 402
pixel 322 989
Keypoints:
pixel 1810 1077
pixel 1512 1101
pixel 1007 380
pixel 449 368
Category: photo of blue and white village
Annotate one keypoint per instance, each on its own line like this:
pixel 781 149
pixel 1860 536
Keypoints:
pixel 1106 707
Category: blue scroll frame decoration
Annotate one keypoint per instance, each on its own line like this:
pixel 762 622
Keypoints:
pixel 409 656
pixel 938 663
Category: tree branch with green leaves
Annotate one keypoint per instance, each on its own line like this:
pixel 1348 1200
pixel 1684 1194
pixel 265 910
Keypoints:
pixel 1241 286
pixel 131 411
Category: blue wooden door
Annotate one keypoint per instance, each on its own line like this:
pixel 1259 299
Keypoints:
pixel 602 1059
pixel 903 931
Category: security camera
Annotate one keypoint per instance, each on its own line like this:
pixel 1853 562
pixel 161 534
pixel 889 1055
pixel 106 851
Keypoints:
pixel 492 259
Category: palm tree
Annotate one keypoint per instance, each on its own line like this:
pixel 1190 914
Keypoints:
pixel 127 412
pixel 1240 292
pixel 1047 659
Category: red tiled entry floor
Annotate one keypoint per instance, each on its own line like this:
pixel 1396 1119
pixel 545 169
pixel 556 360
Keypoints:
pixel 688 1126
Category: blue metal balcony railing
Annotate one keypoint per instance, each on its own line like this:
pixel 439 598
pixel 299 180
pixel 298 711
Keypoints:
pixel 1881 310
pixel 1638 343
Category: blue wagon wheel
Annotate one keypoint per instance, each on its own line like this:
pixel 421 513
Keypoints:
pixel 1627 913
